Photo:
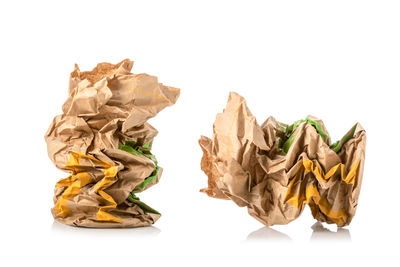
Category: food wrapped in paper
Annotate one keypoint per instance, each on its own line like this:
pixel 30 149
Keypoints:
pixel 275 169
pixel 103 140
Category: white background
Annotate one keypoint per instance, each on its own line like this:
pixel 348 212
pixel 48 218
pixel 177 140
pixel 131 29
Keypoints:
pixel 337 60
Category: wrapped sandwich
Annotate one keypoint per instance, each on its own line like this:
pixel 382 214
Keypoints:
pixel 102 139
pixel 275 169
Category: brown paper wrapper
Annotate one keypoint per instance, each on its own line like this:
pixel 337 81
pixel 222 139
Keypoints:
pixel 103 140
pixel 276 169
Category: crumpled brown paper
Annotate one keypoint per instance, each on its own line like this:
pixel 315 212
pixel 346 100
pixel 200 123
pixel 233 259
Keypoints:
pixel 103 140
pixel 275 169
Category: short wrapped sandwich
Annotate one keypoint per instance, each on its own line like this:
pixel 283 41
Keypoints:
pixel 104 141
pixel 275 169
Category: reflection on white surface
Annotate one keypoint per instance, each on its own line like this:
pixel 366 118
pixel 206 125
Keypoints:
pixel 267 233
pixel 149 231
pixel 320 233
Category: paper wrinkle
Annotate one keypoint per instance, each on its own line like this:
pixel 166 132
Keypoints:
pixel 106 107
pixel 245 162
